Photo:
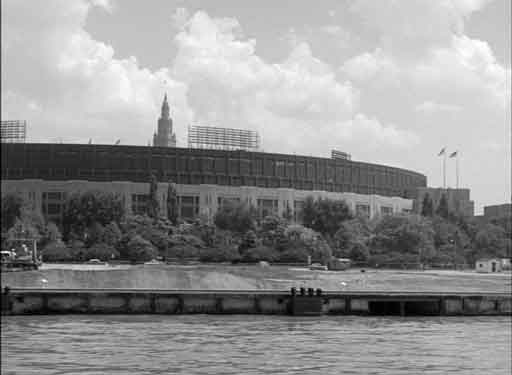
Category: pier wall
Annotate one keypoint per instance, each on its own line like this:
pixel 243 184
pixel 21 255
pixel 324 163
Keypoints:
pixel 122 301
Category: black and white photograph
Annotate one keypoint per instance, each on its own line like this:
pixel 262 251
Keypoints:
pixel 256 187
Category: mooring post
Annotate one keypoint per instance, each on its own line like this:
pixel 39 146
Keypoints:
pixel 347 305
pixel 402 308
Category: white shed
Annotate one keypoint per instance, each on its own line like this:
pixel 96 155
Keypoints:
pixel 488 265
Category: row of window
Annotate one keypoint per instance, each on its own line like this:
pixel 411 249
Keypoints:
pixel 189 207
pixel 122 161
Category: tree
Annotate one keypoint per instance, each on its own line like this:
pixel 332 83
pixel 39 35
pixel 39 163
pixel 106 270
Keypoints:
pixel 95 233
pixel 491 241
pixel 427 207
pixel 111 234
pixel 249 241
pixel 139 249
pixel 56 251
pixel 287 213
pixel 236 217
pixel 181 251
pixel 359 252
pixel 172 203
pixel 352 233
pixel 84 209
pixel 259 253
pixel 11 210
pixel 325 215
pixel 450 240
pixel 410 236
pixel 52 233
pixel 23 229
pixel 101 251
pixel 219 254
pixel 442 208
pixel 153 197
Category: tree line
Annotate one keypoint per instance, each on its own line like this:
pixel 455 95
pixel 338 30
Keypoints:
pixel 96 226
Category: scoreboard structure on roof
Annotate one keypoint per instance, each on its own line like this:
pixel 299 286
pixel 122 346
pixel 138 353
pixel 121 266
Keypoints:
pixel 209 137
pixel 13 131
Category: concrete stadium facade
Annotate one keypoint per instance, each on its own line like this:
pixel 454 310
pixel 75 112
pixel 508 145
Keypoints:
pixel 45 174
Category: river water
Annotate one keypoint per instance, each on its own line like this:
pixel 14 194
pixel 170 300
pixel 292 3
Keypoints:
pixel 245 344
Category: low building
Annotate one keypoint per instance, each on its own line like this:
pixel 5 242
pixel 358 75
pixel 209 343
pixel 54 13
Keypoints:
pixel 488 265
pixel 506 264
pixel 498 210
pixel 458 200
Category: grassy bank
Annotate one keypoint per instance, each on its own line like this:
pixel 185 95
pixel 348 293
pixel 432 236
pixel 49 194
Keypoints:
pixel 212 277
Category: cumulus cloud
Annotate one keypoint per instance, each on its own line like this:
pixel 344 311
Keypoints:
pixel 415 23
pixel 433 107
pixel 371 66
pixel 299 98
pixel 74 87
pixel 424 50
pixel 76 83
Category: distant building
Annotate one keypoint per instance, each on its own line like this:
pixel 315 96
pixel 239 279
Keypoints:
pixel 457 199
pixel 498 210
pixel 340 155
pixel 13 131
pixel 164 136
pixel 488 265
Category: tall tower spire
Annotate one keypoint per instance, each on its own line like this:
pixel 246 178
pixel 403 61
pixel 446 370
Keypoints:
pixel 164 137
pixel 165 108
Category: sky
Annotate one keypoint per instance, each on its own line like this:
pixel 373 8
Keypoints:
pixel 389 81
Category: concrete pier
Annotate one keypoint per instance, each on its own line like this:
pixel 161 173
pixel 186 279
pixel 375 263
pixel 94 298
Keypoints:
pixel 141 301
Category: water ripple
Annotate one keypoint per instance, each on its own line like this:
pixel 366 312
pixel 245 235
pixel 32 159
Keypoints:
pixel 207 344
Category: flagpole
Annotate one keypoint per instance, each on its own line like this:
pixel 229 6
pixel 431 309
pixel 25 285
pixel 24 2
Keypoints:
pixel 457 168
pixel 444 170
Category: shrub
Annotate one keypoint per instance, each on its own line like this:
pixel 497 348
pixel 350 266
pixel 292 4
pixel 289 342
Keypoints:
pixel 56 251
pixel 11 210
pixel 294 254
pixel 259 253
pixel 94 234
pixel 112 234
pixel 249 240
pixel 139 249
pixel 235 217
pixel 183 239
pixel 101 251
pixel 219 254
pixel 181 251
pixel 77 250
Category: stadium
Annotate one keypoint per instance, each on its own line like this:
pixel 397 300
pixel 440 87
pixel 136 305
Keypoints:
pixel 206 179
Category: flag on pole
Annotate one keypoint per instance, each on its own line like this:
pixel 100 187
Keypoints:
pixel 117 142
pixel 442 151
pixel 453 154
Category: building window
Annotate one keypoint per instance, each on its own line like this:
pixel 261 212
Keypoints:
pixel 139 204
pixel 385 211
pixel 188 206
pixel 363 210
pixel 53 205
pixel 227 201
pixel 298 211
pixel 267 207
pixel 280 165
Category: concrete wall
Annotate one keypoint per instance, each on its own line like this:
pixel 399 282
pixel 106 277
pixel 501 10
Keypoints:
pixel 32 191
pixel 17 302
